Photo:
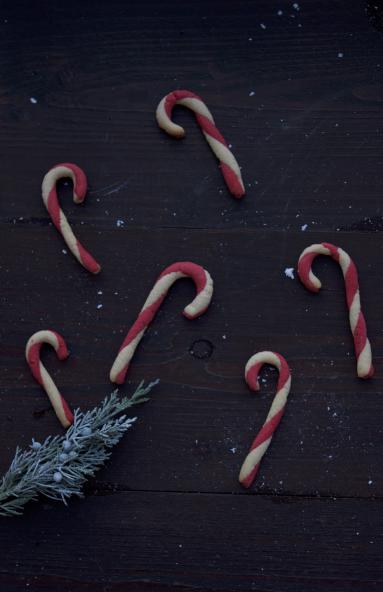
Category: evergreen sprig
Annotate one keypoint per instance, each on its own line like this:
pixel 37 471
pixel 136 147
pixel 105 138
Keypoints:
pixel 58 467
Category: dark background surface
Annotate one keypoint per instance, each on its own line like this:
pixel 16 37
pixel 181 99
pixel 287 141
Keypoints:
pixel 167 512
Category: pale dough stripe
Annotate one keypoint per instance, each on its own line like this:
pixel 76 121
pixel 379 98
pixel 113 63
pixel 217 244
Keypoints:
pixel 229 166
pixel 262 441
pixel 181 269
pixel 362 345
pixel 49 195
pixel 40 373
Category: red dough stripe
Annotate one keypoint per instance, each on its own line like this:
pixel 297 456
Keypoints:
pixel 351 283
pixel 67 411
pixel 87 260
pixel 304 267
pixel 210 129
pixel 196 272
pixel 268 429
pixel 252 374
pixel 192 270
pixel 174 97
pixel 263 438
pixel 232 180
pixel 229 166
pixel 204 288
pixel 362 345
pixel 32 354
pixel 54 208
pixel 143 320
pixel 49 194
pixel 360 336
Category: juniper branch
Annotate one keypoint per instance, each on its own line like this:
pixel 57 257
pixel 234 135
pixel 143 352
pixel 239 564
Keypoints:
pixel 58 467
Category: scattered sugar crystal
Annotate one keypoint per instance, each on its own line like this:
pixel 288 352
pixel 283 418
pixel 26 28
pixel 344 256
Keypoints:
pixel 289 272
pixel 251 93
pixel 263 26
pixel 33 100
pixel 304 227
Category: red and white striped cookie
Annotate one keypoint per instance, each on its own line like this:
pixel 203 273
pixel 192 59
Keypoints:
pixel 49 194
pixel 229 166
pixel 262 441
pixel 32 354
pixel 362 345
pixel 197 307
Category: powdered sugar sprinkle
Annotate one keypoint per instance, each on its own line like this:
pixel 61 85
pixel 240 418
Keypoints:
pixel 289 272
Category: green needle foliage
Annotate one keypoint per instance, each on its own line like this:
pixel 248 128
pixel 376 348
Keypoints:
pixel 58 467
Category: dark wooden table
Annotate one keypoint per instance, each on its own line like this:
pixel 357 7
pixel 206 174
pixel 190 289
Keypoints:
pixel 299 95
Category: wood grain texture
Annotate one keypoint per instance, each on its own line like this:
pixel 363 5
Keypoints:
pixel 138 541
pixel 167 513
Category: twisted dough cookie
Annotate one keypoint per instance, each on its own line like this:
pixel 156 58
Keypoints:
pixel 229 166
pixel 49 194
pixel 197 307
pixel 362 345
pixel 32 355
pixel 262 441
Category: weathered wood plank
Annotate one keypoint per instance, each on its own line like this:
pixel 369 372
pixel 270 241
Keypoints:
pixel 146 541
pixel 309 139
pixel 202 418
pixel 310 144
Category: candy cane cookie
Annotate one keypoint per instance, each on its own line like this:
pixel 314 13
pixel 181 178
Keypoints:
pixel 362 345
pixel 32 354
pixel 262 440
pixel 229 166
pixel 49 194
pixel 181 269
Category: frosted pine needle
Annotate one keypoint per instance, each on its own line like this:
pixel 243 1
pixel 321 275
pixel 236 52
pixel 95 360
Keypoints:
pixel 58 467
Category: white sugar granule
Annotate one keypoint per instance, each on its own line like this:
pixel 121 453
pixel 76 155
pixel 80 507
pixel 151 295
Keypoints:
pixel 289 272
